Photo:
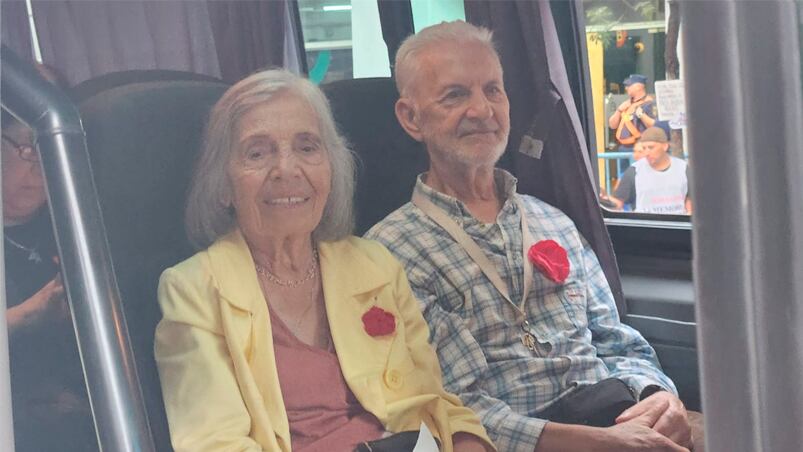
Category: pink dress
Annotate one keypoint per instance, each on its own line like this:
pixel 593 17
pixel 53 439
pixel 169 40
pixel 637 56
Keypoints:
pixel 323 413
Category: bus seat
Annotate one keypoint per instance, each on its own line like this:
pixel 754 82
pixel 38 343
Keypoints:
pixel 89 88
pixel 142 139
pixel 389 159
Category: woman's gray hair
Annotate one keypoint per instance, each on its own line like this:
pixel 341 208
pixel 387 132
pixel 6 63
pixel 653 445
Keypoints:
pixel 210 213
pixel 406 64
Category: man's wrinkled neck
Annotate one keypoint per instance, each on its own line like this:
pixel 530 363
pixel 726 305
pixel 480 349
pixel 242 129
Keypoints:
pixel 467 183
pixel 473 185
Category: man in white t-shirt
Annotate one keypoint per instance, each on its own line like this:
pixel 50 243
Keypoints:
pixel 658 183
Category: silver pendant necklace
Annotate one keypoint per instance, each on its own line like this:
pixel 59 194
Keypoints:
pixel 33 253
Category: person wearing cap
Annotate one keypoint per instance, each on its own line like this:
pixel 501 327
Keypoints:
pixel 634 115
pixel 657 183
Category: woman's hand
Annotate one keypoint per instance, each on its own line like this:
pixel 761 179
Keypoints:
pixel 466 442
pixel 46 304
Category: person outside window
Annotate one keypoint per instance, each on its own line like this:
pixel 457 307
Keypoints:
pixel 634 115
pixel 657 183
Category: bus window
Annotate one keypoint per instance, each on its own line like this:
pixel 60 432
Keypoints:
pixel 343 38
pixel 637 88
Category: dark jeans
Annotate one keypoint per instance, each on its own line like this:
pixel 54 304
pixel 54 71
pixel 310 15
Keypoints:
pixel 596 405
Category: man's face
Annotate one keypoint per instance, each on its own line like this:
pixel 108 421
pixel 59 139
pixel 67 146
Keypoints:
pixel 654 152
pixel 638 151
pixel 635 90
pixel 456 104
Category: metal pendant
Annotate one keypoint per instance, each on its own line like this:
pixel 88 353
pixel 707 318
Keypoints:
pixel 34 256
pixel 528 340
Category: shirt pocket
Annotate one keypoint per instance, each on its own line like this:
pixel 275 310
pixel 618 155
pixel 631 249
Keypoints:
pixel 561 310
pixel 573 297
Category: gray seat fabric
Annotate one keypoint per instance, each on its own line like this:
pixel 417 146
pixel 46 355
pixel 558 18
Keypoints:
pixel 388 159
pixel 142 140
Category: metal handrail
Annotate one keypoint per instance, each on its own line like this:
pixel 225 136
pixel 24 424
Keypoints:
pixel 113 386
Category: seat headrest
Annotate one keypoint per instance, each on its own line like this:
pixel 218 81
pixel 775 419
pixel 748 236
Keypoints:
pixel 389 159
pixel 89 88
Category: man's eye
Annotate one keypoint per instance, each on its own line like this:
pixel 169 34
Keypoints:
pixel 453 95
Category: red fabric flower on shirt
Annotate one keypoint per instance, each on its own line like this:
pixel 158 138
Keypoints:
pixel 550 259
pixel 378 322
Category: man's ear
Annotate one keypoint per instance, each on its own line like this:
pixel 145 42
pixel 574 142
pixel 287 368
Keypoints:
pixel 406 114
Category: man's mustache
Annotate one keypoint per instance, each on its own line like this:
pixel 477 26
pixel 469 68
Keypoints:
pixel 469 128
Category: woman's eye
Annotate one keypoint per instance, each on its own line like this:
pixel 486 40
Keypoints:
pixel 255 154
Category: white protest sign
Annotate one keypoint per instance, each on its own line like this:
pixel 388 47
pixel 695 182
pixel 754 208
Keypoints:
pixel 671 100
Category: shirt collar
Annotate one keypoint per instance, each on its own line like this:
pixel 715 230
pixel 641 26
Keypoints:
pixel 456 208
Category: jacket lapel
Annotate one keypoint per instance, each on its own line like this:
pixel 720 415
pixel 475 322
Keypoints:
pixel 237 283
pixel 351 283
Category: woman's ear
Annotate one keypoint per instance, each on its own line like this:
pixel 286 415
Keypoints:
pixel 406 114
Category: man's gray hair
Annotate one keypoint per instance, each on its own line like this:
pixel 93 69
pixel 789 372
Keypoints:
pixel 407 66
pixel 210 212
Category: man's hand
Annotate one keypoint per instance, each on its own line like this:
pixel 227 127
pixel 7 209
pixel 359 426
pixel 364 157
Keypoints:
pixel 668 412
pixel 634 435
pixel 624 106
pixel 638 434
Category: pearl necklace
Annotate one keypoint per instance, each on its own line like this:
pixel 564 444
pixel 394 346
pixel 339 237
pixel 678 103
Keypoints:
pixel 292 283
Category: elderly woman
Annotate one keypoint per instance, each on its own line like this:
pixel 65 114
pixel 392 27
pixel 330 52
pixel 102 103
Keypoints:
pixel 286 332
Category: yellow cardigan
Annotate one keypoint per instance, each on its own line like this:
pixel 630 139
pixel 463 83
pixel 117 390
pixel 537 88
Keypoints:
pixel 214 349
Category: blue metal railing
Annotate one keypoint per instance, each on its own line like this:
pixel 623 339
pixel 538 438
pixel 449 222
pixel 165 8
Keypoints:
pixel 623 160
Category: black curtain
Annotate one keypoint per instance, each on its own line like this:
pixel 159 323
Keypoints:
pixel 249 35
pixel 396 17
pixel 16 33
pixel 547 149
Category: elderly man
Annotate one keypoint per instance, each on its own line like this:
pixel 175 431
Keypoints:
pixel 529 347
pixel 657 183
pixel 633 115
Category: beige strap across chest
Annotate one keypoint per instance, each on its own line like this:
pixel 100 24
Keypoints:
pixel 477 255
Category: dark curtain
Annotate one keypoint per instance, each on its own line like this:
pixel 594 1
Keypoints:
pixel 547 149
pixel 396 17
pixel 295 56
pixel 14 28
pixel 249 35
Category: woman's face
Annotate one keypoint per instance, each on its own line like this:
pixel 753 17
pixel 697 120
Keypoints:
pixel 279 169
pixel 23 185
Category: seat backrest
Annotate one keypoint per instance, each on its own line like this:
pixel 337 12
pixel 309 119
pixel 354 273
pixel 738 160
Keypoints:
pixel 389 159
pixel 142 140
pixel 105 82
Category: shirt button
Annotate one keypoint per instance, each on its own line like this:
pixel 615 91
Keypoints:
pixel 393 379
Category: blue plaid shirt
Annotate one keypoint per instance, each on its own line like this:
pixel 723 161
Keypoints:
pixel 476 333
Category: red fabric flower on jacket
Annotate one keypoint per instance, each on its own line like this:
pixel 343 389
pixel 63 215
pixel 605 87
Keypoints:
pixel 550 259
pixel 378 322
